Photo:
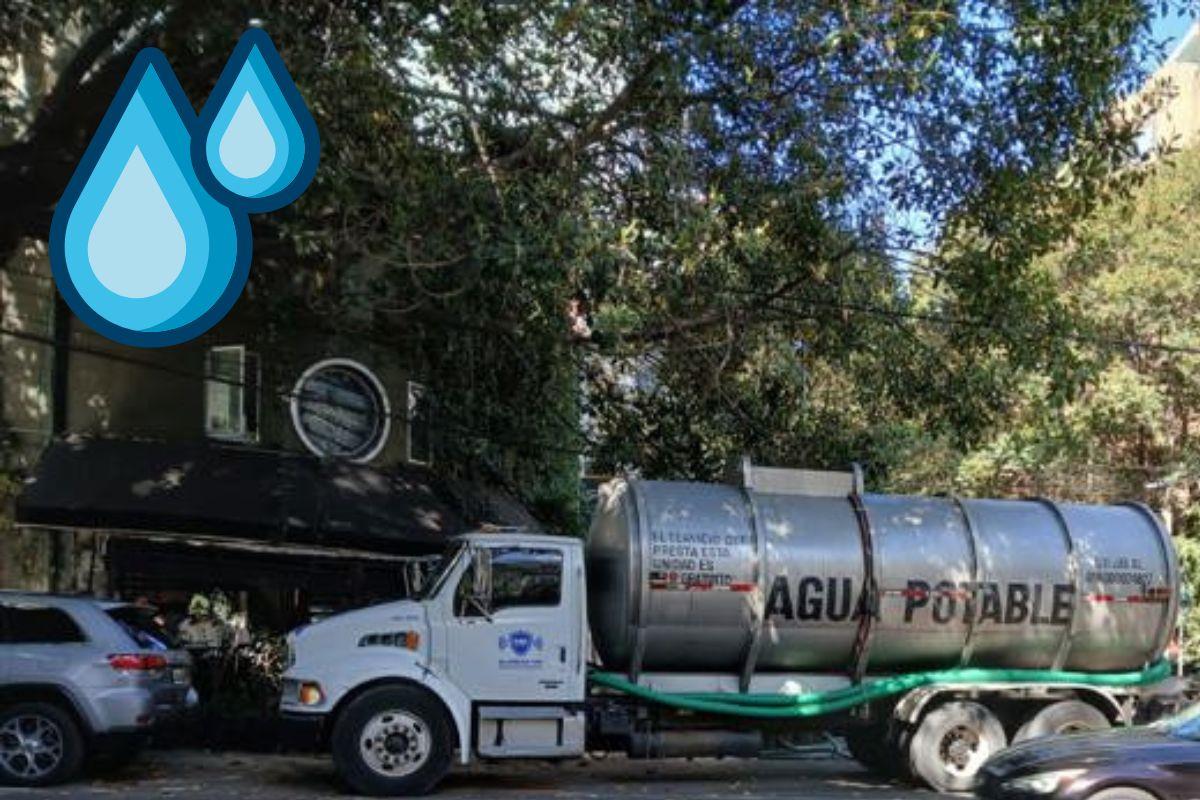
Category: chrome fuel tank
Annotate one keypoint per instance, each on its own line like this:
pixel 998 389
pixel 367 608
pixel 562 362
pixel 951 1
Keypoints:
pixel 714 577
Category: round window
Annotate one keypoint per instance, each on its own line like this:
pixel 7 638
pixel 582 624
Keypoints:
pixel 339 409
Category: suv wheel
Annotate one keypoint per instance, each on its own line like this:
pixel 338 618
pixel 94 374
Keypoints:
pixel 40 744
pixel 394 740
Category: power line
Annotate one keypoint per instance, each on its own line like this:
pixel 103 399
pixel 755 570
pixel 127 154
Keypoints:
pixel 968 322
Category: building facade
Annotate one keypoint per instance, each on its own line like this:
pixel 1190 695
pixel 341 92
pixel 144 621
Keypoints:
pixel 282 464
pixel 1177 122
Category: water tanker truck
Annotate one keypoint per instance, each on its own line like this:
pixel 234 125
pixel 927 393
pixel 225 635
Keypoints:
pixel 732 619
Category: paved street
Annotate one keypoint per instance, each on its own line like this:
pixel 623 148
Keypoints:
pixel 200 775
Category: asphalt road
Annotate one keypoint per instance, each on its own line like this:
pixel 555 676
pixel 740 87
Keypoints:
pixel 196 775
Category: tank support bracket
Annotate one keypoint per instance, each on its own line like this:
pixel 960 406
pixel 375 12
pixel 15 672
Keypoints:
pixel 868 604
pixel 758 601
pixel 1076 575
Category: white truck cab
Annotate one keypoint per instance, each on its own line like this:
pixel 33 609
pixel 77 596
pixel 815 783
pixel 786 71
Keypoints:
pixel 490 660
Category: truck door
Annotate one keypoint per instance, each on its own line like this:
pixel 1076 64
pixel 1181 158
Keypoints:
pixel 515 643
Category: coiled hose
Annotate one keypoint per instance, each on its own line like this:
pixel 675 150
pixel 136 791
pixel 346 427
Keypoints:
pixel 816 704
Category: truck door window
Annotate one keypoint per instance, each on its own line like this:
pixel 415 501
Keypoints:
pixel 521 576
pixel 526 577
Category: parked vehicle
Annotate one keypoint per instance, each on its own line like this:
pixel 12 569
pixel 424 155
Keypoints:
pixel 1155 762
pixel 731 618
pixel 80 677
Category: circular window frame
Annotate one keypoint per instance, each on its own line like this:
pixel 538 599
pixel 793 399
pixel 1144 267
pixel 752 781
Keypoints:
pixel 375 383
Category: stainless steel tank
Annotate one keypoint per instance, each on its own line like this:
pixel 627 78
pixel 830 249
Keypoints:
pixel 711 577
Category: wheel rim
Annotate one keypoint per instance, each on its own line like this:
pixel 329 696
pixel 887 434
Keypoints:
pixel 31 746
pixel 395 743
pixel 962 750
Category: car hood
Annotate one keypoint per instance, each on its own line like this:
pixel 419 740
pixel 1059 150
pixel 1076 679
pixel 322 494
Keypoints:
pixel 1082 750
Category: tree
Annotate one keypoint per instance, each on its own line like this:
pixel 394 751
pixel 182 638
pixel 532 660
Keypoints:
pixel 739 194
pixel 1123 426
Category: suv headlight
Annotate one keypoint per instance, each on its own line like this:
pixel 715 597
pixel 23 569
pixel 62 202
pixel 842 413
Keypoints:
pixel 1044 782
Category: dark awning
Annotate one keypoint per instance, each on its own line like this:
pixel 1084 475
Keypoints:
pixel 241 493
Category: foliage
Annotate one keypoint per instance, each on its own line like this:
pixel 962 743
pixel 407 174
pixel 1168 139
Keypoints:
pixel 1124 429
pixel 1130 279
pixel 1189 562
pixel 725 190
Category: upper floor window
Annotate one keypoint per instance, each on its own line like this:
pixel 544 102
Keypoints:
pixel 231 393
pixel 340 409
pixel 420 427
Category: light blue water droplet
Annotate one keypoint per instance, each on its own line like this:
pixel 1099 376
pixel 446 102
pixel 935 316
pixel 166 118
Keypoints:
pixel 259 148
pixel 140 250
pixel 247 148
pixel 136 211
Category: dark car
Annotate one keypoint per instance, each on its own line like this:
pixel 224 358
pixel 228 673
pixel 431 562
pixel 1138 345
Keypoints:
pixel 1156 762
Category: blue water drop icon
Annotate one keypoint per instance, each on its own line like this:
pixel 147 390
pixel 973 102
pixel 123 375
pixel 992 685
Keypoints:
pixel 139 248
pixel 260 146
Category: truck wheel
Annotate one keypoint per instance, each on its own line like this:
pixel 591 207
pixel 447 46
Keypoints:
pixel 393 740
pixel 40 745
pixel 1066 716
pixel 952 742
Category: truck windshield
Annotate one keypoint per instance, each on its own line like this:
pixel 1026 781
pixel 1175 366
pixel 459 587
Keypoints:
pixel 440 572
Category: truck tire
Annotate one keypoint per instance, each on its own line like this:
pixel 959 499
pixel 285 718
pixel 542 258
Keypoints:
pixel 393 741
pixel 952 742
pixel 1066 716
pixel 40 745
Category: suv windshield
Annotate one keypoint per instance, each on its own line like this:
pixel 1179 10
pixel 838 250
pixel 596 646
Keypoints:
pixel 438 577
pixel 141 626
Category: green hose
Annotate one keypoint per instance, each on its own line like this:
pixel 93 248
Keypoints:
pixel 815 704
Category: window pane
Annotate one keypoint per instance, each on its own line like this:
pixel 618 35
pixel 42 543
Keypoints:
pixel 526 577
pixel 141 626
pixel 41 625
pixel 223 392
pixel 340 410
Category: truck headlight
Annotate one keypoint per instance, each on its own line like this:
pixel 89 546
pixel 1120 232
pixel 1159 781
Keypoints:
pixel 1044 782
pixel 310 694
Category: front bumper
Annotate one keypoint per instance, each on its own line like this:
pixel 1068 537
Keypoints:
pixel 992 787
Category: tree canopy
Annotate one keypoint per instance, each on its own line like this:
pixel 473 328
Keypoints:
pixel 804 231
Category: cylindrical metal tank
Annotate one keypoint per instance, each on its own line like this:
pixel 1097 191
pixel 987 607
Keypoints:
pixel 711 577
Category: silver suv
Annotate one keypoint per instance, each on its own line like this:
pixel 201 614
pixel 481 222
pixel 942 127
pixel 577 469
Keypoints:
pixel 80 677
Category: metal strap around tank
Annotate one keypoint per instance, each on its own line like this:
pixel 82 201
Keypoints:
pixel 641 581
pixel 868 603
pixel 1076 577
pixel 758 604
pixel 973 596
pixel 1162 637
